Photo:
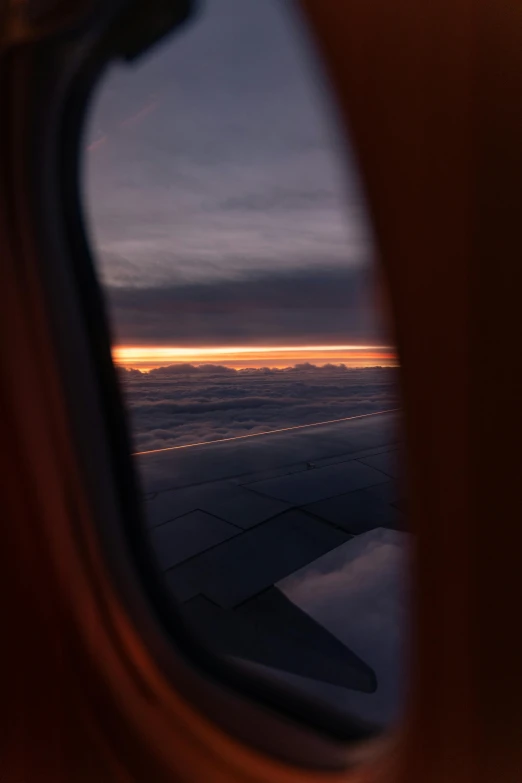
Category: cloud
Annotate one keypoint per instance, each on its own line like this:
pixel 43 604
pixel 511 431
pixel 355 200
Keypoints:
pixel 187 404
pixel 237 170
pixel 317 305
pixel 175 370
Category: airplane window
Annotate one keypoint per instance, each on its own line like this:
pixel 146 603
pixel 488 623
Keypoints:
pixel 251 339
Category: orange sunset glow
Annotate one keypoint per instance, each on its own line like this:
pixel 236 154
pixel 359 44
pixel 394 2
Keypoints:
pixel 239 357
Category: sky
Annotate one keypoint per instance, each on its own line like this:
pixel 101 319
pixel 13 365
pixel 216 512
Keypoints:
pixel 223 209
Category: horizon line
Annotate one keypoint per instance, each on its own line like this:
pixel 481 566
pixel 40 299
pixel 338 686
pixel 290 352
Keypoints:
pixel 130 351
pixel 242 356
pixel 271 368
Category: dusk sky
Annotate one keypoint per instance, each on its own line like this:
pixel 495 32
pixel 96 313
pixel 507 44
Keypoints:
pixel 222 207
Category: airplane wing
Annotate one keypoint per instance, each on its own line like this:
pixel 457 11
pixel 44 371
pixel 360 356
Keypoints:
pixel 229 521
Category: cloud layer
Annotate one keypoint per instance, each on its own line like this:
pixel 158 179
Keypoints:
pixel 172 406
pixel 219 156
pixel 310 306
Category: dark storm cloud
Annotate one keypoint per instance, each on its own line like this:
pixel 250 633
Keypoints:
pixel 313 305
pixel 173 406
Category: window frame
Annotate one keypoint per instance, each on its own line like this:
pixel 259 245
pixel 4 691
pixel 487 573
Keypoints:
pixel 263 713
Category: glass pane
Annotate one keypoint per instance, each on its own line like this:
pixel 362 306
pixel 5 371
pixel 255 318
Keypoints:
pixel 249 330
